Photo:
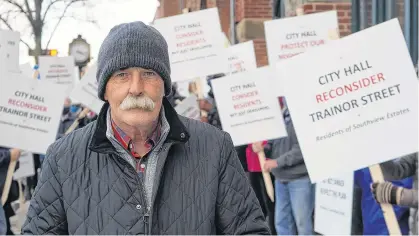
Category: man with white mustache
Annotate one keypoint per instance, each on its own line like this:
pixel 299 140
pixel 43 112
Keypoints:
pixel 140 168
pixel 143 102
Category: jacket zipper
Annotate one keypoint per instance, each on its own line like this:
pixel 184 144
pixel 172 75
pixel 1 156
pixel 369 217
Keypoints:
pixel 157 186
pixel 146 221
pixel 146 216
pixel 141 187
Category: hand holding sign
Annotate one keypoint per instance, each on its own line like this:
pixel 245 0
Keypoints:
pixel 14 154
pixel 257 147
pixel 270 164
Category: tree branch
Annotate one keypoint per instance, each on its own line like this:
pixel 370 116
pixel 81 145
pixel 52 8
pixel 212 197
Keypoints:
pixel 22 10
pixel 48 7
pixel 10 27
pixel 29 11
pixel 61 18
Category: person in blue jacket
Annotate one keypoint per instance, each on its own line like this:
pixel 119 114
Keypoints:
pixel 372 215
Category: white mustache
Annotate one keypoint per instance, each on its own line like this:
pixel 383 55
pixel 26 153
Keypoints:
pixel 142 102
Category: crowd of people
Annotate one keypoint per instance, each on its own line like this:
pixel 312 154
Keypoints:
pixel 138 152
pixel 293 210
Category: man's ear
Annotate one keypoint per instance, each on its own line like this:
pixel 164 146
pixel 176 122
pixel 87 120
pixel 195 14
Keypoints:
pixel 105 96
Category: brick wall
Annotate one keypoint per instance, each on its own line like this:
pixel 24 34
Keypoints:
pixel 250 15
pixel 168 8
pixel 211 3
pixel 239 11
pixel 193 5
pixel 257 9
pixel 224 12
pixel 345 15
pixel 343 9
pixel 172 7
pixel 261 52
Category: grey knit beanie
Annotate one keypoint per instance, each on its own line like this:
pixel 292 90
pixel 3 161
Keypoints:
pixel 133 45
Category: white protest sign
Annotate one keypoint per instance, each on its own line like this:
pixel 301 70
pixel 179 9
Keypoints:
pixel 248 109
pixel 290 36
pixel 27 70
pixel 189 108
pixel 334 204
pixel 196 46
pixel 355 107
pixel 59 70
pixel 9 51
pixel 30 112
pixel 241 57
pixel 26 166
pixel 86 92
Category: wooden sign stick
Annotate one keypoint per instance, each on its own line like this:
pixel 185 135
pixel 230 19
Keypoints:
pixel 77 121
pixel 8 182
pixel 388 211
pixel 266 177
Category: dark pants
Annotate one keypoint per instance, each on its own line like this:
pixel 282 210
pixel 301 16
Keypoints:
pixel 357 224
pixel 268 207
pixel 32 181
pixel 8 210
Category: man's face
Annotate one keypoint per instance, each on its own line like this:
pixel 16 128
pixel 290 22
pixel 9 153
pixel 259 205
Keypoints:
pixel 135 96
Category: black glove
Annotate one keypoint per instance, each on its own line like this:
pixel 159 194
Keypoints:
pixel 386 193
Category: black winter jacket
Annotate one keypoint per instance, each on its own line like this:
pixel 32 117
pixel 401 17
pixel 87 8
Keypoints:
pixel 200 186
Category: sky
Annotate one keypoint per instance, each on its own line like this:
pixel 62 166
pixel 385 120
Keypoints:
pixel 107 13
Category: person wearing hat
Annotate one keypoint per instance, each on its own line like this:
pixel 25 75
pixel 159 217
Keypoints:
pixel 140 168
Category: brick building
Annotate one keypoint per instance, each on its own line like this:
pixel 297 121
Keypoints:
pixel 250 15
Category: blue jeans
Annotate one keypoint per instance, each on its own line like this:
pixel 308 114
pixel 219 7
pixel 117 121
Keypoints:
pixel 294 206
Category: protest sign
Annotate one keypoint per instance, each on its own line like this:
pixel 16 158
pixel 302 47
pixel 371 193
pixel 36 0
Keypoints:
pixel 196 45
pixel 59 70
pixel 30 112
pixel 334 206
pixel 351 108
pixel 291 36
pixel 248 109
pixel 86 91
pixel 27 70
pixel 9 51
pixel 241 57
pixel 189 108
pixel 26 166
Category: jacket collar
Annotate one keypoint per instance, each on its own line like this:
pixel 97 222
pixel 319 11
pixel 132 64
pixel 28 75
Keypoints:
pixel 100 143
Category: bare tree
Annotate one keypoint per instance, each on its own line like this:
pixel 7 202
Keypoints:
pixel 38 14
